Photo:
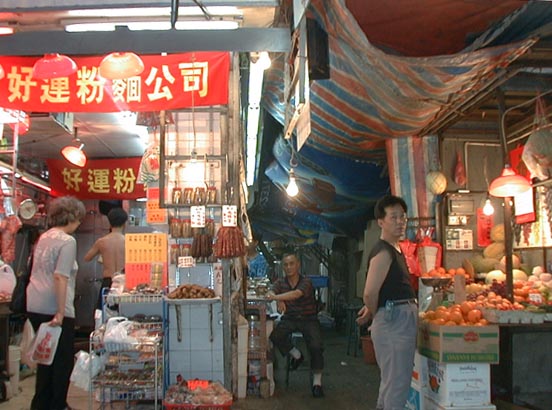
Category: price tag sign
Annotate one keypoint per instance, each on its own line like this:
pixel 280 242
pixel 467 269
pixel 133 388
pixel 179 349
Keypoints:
pixel 186 262
pixel 154 214
pixel 229 215
pixel 535 298
pixel 197 216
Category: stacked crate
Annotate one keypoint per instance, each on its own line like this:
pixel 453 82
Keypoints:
pixel 452 368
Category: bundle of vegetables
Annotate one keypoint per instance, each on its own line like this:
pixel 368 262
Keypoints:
pixel 229 242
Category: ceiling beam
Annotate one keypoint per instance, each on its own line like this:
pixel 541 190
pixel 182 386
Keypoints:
pixel 145 42
pixel 34 5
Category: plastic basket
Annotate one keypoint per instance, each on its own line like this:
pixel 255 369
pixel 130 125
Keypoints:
pixel 174 406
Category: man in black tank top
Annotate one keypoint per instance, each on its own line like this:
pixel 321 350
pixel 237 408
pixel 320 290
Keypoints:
pixel 295 297
pixel 389 301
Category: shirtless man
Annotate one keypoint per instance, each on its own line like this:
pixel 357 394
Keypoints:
pixel 111 248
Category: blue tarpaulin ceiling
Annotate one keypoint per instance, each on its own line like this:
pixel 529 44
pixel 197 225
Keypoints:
pixel 372 96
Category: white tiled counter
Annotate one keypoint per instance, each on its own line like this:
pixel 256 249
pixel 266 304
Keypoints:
pixel 194 340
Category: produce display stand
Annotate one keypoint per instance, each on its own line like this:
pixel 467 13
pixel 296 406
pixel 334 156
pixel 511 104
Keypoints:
pixel 132 371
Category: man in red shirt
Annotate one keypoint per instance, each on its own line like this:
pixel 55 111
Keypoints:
pixel 295 297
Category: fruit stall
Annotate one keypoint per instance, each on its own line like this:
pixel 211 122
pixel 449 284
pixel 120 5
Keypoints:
pixel 473 340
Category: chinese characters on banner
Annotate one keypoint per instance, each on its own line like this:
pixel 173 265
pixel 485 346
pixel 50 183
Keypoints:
pixel 167 83
pixel 99 179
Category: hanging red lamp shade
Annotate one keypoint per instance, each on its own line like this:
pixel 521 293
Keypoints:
pixel 119 66
pixel 509 183
pixel 75 155
pixel 54 66
pixel 2 72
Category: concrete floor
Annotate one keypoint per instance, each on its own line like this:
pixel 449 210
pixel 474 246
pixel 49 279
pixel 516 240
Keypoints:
pixel 348 384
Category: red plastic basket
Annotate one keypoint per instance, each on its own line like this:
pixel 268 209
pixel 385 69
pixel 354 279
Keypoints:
pixel 173 406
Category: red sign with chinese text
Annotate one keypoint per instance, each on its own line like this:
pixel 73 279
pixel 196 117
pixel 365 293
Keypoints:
pixel 168 82
pixel 99 179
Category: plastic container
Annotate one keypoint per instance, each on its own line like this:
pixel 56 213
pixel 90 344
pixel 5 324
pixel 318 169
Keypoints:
pixel 14 356
pixel 254 332
pixel 368 352
pixel 156 275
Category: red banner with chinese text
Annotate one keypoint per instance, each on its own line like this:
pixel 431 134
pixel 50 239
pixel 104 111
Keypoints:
pixel 168 82
pixel 99 179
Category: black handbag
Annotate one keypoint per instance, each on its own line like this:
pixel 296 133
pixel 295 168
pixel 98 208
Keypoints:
pixel 18 302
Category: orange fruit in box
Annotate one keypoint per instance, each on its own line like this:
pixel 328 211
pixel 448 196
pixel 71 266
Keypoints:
pixel 443 314
pixel 466 307
pixel 456 317
pixel 474 315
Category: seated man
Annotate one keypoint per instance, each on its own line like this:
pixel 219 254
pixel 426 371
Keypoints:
pixel 295 298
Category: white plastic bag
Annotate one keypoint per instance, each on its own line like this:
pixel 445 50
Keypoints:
pixel 26 345
pixel 86 366
pixel 117 335
pixel 45 345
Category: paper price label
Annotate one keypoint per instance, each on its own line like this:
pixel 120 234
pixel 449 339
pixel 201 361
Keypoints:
pixel 229 215
pixel 535 298
pixel 186 262
pixel 197 216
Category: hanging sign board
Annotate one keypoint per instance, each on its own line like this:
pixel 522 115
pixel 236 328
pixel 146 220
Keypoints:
pixel 229 215
pixel 99 179
pixel 141 250
pixel 155 215
pixel 168 82
pixel 197 216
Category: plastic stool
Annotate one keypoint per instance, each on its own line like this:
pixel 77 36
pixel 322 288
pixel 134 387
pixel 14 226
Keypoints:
pixel 353 331
pixel 295 337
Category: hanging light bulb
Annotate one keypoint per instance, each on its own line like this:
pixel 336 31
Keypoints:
pixel 264 60
pixel 53 66
pixel 488 208
pixel 2 72
pixel 119 66
pixel 292 188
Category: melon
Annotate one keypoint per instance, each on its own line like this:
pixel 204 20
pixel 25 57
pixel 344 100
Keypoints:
pixel 497 233
pixel 518 274
pixel 495 250
pixel 497 275
pixel 482 264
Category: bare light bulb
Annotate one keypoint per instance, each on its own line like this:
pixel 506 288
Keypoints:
pixel 292 188
pixel 488 208
pixel 264 60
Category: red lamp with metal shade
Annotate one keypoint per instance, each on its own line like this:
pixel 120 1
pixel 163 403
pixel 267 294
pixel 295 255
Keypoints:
pixel 119 66
pixel 75 155
pixel 509 183
pixel 54 66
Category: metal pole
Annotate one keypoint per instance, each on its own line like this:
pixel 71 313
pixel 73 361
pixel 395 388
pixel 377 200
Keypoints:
pixel 507 209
